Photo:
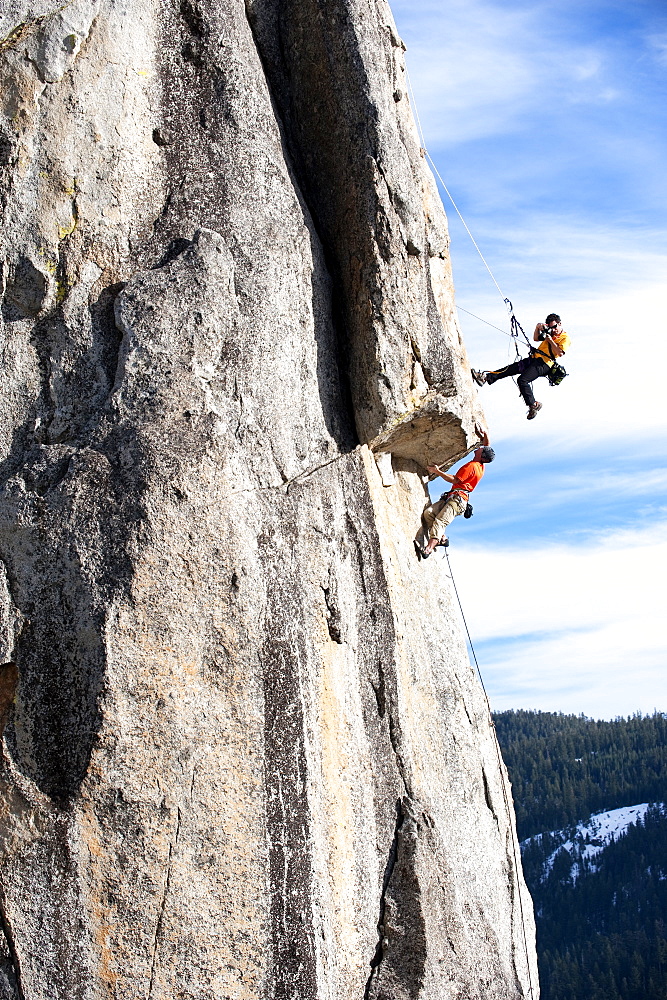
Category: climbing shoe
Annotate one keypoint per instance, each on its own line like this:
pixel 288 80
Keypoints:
pixel 420 550
pixel 478 377
pixel 443 544
pixel 533 410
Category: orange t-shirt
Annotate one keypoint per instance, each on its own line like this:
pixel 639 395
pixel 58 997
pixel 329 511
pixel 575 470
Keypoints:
pixel 468 476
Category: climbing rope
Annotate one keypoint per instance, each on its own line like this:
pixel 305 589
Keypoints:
pixel 501 768
pixel 515 330
pixel 515 326
pixel 482 320
pixel 445 188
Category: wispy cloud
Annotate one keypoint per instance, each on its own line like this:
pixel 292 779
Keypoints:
pixel 479 68
pixel 462 68
pixel 563 250
pixel 570 628
pixel 657 45
pixel 525 102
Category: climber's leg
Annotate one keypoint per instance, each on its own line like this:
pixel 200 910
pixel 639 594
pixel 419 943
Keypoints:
pixel 534 369
pixel 516 368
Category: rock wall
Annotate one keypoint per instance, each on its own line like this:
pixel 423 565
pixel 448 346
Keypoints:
pixel 244 753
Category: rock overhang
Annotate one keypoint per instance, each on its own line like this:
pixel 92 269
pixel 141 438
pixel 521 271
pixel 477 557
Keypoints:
pixel 432 433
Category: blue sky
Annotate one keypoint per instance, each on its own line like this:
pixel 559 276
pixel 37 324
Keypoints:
pixel 547 123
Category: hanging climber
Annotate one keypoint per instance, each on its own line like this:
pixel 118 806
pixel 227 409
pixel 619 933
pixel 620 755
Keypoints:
pixel 553 344
pixel 441 513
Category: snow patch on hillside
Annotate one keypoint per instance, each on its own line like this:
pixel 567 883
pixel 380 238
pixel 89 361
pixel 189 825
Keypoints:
pixel 585 841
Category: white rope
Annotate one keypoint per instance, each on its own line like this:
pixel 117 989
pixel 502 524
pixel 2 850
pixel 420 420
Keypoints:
pixel 516 852
pixel 415 109
pixel 499 328
pixel 446 189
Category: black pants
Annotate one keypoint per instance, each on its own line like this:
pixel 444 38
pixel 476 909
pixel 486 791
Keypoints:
pixel 528 369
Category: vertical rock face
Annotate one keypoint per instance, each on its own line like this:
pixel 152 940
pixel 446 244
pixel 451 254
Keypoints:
pixel 244 753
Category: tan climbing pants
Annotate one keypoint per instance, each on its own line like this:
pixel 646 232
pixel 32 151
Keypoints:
pixel 442 513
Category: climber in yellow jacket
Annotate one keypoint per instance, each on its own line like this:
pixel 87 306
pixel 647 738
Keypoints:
pixel 553 344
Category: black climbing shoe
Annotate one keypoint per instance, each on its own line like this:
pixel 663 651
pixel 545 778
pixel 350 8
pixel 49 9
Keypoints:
pixel 533 410
pixel 443 544
pixel 420 551
pixel 478 377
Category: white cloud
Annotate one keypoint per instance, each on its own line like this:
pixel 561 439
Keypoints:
pixel 481 67
pixel 560 579
pixel 570 628
pixel 598 676
pixel 657 44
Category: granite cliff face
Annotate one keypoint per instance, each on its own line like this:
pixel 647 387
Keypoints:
pixel 244 753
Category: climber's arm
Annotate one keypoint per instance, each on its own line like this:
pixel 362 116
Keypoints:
pixel 482 435
pixel 435 470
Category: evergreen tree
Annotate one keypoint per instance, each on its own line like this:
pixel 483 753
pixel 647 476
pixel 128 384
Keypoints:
pixel 565 767
pixel 601 931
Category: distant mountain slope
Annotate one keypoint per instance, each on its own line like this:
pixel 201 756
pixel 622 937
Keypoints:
pixel 601 908
pixel 583 843
pixel 599 882
pixel 563 768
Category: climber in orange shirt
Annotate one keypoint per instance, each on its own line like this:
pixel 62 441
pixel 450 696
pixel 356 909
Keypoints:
pixel 440 514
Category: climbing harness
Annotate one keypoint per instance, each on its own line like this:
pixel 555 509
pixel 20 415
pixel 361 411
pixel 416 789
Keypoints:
pixel 462 495
pixel 556 372
pixel 503 781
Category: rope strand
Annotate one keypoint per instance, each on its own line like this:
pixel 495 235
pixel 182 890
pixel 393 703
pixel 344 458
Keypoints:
pixel 514 335
pixel 499 328
pixel 465 224
pixel 446 189
pixel 515 326
pixel 501 767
